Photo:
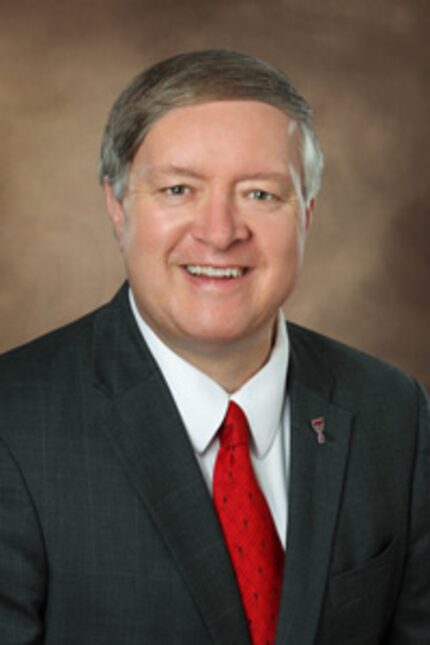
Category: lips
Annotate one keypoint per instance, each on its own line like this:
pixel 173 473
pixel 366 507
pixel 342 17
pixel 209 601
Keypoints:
pixel 207 271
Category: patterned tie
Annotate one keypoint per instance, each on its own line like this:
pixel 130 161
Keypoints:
pixel 252 541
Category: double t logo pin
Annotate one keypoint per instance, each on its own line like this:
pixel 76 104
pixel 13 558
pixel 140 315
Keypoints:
pixel 318 426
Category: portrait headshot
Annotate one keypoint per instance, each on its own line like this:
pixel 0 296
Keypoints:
pixel 215 421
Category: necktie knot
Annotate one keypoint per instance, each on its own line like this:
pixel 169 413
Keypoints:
pixel 234 429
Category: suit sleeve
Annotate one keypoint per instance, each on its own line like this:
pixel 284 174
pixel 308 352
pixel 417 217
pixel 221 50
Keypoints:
pixel 22 559
pixel 411 624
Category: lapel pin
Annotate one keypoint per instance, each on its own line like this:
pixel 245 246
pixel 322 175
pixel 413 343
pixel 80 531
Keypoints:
pixel 318 426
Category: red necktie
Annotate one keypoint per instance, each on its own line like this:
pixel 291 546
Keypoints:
pixel 249 532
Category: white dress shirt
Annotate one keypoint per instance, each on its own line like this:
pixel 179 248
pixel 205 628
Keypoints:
pixel 202 405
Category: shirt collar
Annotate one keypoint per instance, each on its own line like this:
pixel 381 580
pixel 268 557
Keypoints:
pixel 202 403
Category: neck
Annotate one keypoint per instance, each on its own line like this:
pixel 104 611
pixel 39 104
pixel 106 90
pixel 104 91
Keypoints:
pixel 228 364
pixel 229 367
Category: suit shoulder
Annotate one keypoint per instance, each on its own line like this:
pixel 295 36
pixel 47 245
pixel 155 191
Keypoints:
pixel 55 356
pixel 66 357
pixel 47 348
pixel 70 339
pixel 356 370
pixel 50 379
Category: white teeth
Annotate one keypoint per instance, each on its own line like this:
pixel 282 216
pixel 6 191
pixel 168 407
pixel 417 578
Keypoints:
pixel 215 272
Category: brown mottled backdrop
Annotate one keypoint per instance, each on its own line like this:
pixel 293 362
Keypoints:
pixel 364 66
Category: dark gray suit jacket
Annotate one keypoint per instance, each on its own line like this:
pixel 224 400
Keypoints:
pixel 107 531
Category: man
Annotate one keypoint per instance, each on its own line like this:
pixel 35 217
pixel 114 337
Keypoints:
pixel 179 466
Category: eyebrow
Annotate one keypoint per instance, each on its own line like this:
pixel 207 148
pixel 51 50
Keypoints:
pixel 274 176
pixel 173 169
pixel 188 172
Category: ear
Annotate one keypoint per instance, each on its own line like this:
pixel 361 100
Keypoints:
pixel 116 212
pixel 309 214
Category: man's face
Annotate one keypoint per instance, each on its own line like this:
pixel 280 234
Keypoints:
pixel 213 223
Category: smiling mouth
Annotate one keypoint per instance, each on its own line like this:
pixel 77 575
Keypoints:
pixel 226 273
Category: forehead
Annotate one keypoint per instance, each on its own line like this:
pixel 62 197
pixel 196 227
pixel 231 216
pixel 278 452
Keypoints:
pixel 222 130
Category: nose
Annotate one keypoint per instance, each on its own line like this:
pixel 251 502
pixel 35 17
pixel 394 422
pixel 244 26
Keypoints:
pixel 219 224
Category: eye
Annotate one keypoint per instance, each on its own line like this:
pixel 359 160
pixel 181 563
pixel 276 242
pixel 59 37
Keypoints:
pixel 176 191
pixel 262 195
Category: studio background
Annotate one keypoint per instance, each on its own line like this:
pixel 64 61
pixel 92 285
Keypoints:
pixel 364 67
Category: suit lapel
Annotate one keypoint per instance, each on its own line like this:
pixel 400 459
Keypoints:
pixel 141 421
pixel 316 478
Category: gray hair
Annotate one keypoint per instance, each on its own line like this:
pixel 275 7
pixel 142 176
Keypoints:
pixel 198 77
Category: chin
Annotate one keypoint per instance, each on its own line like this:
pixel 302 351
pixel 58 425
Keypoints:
pixel 216 336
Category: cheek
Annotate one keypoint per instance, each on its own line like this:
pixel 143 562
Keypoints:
pixel 148 236
pixel 284 246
